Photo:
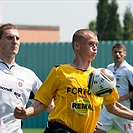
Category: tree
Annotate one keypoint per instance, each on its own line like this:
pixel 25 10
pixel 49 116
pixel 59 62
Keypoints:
pixel 108 26
pixel 114 27
pixel 92 26
pixel 102 18
pixel 128 25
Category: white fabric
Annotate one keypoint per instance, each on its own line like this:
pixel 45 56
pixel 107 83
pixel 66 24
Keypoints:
pixel 16 83
pixel 123 74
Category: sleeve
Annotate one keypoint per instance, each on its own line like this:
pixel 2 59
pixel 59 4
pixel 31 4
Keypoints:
pixel 111 98
pixel 130 78
pixel 130 81
pixel 46 92
pixel 36 85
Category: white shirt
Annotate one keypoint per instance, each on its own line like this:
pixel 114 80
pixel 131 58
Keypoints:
pixel 124 80
pixel 16 83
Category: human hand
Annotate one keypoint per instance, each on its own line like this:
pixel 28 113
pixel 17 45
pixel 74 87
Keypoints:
pixel 98 123
pixel 120 99
pixel 20 112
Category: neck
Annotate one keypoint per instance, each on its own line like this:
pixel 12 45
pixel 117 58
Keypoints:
pixel 8 60
pixel 117 64
pixel 7 57
pixel 81 65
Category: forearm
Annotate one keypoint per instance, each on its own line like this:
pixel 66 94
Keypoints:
pixel 35 109
pixel 125 97
pixel 120 110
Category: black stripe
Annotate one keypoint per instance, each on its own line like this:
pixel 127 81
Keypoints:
pixel 31 95
pixel 131 100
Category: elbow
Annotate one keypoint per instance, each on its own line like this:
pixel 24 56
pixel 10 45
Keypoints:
pixel 110 110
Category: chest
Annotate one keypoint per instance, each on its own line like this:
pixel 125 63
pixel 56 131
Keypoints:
pixel 120 74
pixel 14 84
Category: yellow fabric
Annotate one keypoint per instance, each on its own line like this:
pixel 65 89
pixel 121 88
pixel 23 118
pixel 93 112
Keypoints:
pixel 76 107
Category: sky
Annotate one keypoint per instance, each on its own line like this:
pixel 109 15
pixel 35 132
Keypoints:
pixel 69 15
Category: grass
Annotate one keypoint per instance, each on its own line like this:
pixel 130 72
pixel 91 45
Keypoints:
pixel 114 131
pixel 34 130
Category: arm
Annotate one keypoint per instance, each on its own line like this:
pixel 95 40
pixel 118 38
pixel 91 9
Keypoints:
pixel 120 110
pixel 50 107
pixel 125 97
pixel 35 109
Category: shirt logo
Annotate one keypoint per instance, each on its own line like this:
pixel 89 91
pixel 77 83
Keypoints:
pixel 82 106
pixel 20 84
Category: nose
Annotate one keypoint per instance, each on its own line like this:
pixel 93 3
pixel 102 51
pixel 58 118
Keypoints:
pixel 117 53
pixel 95 47
pixel 15 39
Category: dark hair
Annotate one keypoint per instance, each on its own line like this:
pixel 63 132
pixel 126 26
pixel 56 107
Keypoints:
pixel 80 34
pixel 5 27
pixel 119 45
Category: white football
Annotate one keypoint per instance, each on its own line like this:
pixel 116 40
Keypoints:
pixel 101 82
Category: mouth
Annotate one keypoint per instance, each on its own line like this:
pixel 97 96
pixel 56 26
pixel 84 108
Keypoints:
pixel 94 52
pixel 15 48
pixel 117 58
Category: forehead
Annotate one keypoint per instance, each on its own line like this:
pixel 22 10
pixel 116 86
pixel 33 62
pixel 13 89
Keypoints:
pixel 11 32
pixel 119 49
pixel 91 37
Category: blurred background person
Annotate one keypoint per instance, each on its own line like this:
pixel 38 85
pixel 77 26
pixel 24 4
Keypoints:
pixel 123 72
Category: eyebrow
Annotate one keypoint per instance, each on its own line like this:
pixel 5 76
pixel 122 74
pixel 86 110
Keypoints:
pixel 12 36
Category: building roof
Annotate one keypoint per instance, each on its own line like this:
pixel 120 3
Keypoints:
pixel 37 27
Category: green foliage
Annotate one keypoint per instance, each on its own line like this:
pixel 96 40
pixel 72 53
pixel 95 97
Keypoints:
pixel 92 26
pixel 102 18
pixel 128 25
pixel 114 27
pixel 108 26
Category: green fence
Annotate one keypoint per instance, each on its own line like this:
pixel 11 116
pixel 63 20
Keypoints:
pixel 41 57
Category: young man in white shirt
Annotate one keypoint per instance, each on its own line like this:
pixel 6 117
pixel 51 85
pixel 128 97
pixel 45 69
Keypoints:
pixel 124 83
pixel 16 82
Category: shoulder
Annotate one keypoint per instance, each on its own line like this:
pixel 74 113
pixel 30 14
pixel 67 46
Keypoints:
pixel 56 66
pixel 24 70
pixel 127 66
pixel 59 66
pixel 110 65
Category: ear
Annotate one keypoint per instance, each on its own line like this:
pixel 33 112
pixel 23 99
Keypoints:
pixel 76 45
pixel 125 53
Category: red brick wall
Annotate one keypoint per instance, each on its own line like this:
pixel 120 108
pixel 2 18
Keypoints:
pixel 31 35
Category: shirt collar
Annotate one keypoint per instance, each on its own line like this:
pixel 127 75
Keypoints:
pixel 9 66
